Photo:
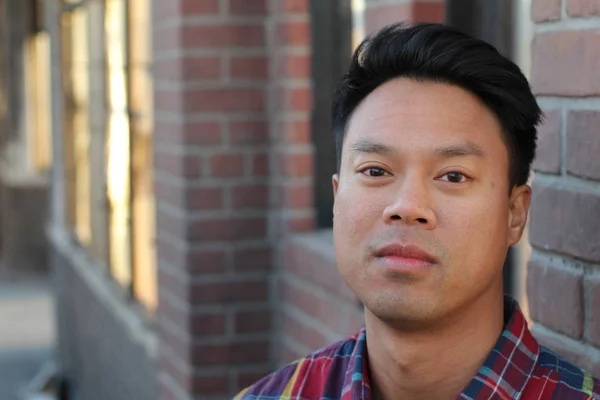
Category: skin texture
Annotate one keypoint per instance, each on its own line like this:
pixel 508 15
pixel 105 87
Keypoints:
pixel 424 164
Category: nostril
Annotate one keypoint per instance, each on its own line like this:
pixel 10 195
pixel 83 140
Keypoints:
pixel 396 217
pixel 422 220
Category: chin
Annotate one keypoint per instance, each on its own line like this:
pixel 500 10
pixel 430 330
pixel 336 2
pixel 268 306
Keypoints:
pixel 405 311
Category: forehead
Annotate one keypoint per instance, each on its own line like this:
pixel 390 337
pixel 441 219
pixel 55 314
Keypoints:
pixel 409 114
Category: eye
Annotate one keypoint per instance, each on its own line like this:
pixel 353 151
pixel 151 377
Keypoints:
pixel 454 177
pixel 375 172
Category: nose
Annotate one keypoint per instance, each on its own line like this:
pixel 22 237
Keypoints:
pixel 411 205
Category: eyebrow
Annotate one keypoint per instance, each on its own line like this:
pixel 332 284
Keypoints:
pixel 464 149
pixel 366 146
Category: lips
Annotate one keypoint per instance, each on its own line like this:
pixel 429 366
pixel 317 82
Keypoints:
pixel 406 252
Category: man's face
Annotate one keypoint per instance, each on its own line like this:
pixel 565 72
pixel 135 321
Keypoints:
pixel 423 214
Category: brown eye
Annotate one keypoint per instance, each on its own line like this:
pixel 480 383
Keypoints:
pixel 375 172
pixel 454 177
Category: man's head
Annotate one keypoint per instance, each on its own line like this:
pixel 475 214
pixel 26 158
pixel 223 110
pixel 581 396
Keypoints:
pixel 435 134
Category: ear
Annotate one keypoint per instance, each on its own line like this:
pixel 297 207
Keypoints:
pixel 335 181
pixel 519 202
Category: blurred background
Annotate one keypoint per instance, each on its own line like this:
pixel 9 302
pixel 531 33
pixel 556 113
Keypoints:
pixel 165 186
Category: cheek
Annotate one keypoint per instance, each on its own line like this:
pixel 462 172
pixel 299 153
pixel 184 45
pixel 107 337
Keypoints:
pixel 356 213
pixel 475 231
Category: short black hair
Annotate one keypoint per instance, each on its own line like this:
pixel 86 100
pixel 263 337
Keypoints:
pixel 440 53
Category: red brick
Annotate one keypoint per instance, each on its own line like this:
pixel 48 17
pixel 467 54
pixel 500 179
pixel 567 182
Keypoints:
pixel 207 324
pixel 302 333
pixel 171 283
pixel 583 8
pixel 193 261
pixel 260 165
pixel 593 310
pixel 583 144
pixel 203 261
pixel 377 16
pixel 565 63
pixel 294 66
pixel 176 315
pixel 252 321
pixel 354 322
pixel 293 33
pixel 204 198
pixel 210 385
pixel 175 225
pixel 250 196
pixel 298 224
pixel 249 67
pixel 555 211
pixel 177 8
pixel 318 307
pixel 199 133
pixel 247 7
pixel 296 131
pixel 222 229
pixel 173 255
pixel 168 100
pixel 222 36
pixel 298 196
pixel 227 165
pixel 249 132
pixel 298 99
pixel 296 165
pixel 548 158
pixel 246 379
pixel 292 6
pixel 167 365
pixel 318 268
pixel 545 10
pixel 181 165
pixel 562 313
pixel 224 99
pixel 287 354
pixel 426 11
pixel 228 292
pixel 166 38
pixel 188 68
pixel 253 259
pixel 229 354
pixel 170 193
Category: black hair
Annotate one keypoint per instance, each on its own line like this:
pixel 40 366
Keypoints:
pixel 440 53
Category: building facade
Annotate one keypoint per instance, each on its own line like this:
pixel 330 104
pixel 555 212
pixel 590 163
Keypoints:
pixel 188 162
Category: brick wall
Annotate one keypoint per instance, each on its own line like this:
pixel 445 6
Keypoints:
pixel 382 12
pixel 563 280
pixel 212 194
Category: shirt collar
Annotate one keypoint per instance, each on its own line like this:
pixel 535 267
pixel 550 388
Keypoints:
pixel 506 370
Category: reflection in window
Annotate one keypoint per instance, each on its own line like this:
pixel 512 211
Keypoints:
pixel 143 223
pixel 118 144
pixel 77 127
pixel 38 88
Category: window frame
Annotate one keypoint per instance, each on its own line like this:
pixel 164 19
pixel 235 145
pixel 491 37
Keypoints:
pixel 331 44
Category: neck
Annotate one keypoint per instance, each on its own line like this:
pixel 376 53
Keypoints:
pixel 437 362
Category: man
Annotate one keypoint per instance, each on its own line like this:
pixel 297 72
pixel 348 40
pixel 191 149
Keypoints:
pixel 435 134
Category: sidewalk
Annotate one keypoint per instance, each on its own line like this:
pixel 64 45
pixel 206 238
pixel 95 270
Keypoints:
pixel 26 333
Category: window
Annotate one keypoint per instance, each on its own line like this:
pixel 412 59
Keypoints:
pixel 37 73
pixel 331 24
pixel 108 91
pixel 77 124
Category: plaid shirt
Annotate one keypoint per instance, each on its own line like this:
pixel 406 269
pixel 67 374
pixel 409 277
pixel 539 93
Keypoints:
pixel 517 368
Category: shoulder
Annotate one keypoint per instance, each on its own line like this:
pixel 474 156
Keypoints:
pixel 563 379
pixel 307 377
